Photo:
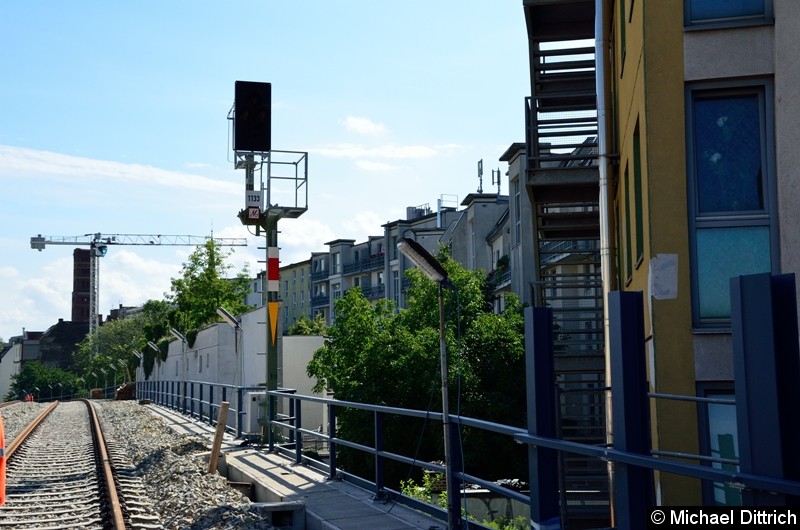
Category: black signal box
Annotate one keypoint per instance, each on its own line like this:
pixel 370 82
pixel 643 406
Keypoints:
pixel 252 118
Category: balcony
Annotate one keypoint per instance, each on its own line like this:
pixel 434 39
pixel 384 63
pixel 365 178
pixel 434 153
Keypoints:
pixel 351 268
pixel 319 275
pixel 320 300
pixel 372 263
pixel 374 293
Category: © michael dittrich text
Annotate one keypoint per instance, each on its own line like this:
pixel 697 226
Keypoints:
pixel 745 516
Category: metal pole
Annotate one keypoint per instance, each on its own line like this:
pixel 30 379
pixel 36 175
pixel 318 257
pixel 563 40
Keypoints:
pixel 271 232
pixel 453 511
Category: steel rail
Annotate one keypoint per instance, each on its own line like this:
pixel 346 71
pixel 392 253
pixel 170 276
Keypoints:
pixel 109 482
pixel 23 435
pixel 106 471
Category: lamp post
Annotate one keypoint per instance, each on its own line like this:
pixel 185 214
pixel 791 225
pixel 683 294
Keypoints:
pixel 431 267
pixel 236 324
pixel 105 380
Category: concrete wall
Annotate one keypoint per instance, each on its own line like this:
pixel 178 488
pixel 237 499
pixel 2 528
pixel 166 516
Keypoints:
pixel 9 365
pixel 787 130
pixel 213 358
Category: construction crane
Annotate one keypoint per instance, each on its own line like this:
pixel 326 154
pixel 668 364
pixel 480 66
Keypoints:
pixel 98 246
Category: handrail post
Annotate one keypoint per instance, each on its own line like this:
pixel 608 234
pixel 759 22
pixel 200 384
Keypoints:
pixel 633 485
pixel 331 437
pixel 191 399
pixel 541 405
pixel 271 400
pixel 211 404
pixel 239 404
pixel 291 415
pixel 379 476
pixel 298 423
pixel 766 368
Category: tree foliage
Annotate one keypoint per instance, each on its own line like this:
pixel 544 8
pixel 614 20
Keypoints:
pixel 204 286
pixel 306 326
pixel 43 382
pixel 111 350
pixel 373 354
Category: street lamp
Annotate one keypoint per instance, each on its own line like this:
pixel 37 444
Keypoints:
pixel 230 319
pixel 431 267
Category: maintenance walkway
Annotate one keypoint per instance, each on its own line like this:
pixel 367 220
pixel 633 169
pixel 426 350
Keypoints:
pixel 275 479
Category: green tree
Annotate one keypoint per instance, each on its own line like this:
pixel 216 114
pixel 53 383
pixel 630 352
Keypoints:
pixel 44 382
pixel 111 349
pixel 374 355
pixel 306 326
pixel 203 287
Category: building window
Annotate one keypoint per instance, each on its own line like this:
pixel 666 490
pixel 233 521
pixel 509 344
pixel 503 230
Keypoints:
pixel 638 211
pixel 302 299
pixel 200 364
pixel 517 215
pixel 731 192
pixel 337 290
pixel 719 439
pixel 337 263
pixel 709 11
pixel 302 275
pixel 628 247
pixel 396 287
pixel 286 289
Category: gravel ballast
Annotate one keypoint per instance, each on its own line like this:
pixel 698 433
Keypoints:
pixel 173 468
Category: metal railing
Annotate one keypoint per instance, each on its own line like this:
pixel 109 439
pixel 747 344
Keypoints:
pixel 286 436
pixel 200 400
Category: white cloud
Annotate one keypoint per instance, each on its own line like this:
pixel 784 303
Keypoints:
pixel 368 165
pixel 299 237
pixel 36 301
pixel 363 126
pixel 130 279
pixel 366 222
pixel 31 162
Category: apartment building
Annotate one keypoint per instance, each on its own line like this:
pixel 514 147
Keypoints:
pixel 295 293
pixel 677 174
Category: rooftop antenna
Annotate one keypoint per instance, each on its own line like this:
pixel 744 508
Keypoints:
pixel 480 176
pixel 496 179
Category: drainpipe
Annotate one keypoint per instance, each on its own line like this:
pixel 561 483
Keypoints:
pixel 601 50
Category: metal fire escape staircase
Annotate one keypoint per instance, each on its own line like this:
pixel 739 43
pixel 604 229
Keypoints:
pixel 562 181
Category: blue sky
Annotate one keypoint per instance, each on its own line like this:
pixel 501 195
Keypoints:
pixel 113 119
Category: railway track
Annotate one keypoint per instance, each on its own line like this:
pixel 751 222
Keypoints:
pixel 61 474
